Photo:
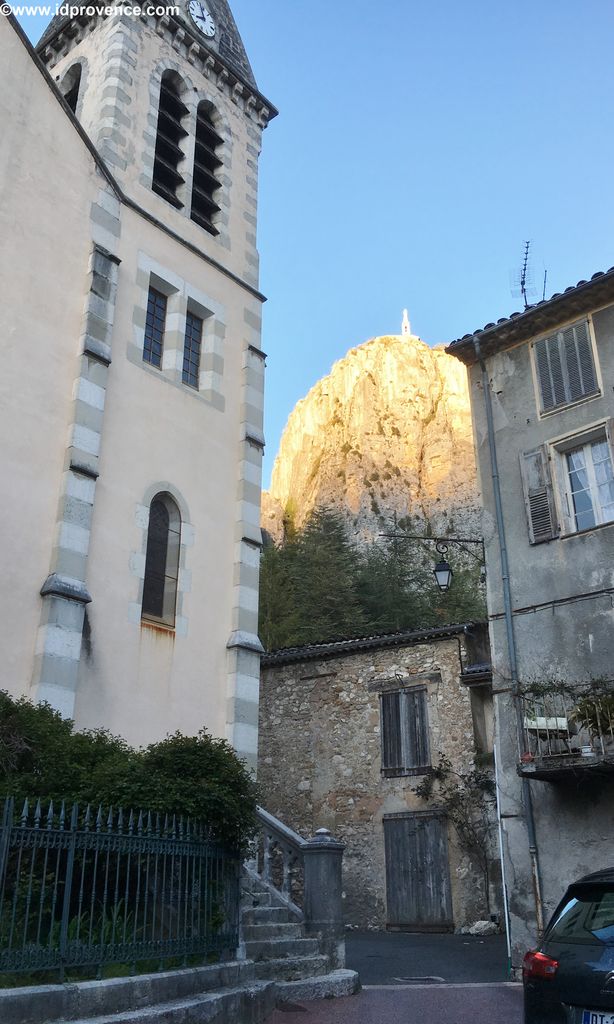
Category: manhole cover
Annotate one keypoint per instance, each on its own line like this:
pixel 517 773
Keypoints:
pixel 431 979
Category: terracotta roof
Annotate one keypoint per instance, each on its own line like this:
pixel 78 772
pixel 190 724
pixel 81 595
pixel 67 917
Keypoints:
pixel 577 300
pixel 335 648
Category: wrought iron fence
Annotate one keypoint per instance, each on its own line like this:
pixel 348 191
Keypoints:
pixel 82 888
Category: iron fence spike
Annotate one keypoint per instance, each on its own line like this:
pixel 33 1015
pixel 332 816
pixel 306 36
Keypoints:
pixel 148 823
pixel 139 824
pixel 110 819
pixel 131 822
pixel 37 814
pixel 74 817
pixel 50 815
pixel 62 815
pixel 99 819
pixel 120 821
pixel 25 812
pixel 87 821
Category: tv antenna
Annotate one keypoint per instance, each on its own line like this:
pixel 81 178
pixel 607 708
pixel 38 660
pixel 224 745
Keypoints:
pixel 522 280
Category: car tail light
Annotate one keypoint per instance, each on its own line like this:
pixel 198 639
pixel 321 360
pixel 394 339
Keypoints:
pixel 538 965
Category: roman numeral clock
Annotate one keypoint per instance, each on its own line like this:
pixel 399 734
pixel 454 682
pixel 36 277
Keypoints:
pixel 202 18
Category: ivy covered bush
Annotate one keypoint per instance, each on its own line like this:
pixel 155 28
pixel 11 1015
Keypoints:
pixel 200 777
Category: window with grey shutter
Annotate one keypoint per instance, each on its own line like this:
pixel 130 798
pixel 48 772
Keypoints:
pixel 405 740
pixel 538 495
pixel 565 367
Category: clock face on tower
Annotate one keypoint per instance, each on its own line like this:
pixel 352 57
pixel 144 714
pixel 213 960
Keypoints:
pixel 201 18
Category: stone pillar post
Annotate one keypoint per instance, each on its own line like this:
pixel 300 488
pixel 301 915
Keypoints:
pixel 322 857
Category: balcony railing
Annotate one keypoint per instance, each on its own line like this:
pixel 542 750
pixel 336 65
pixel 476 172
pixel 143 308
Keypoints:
pixel 568 731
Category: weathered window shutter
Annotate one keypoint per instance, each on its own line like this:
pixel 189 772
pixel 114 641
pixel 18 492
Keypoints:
pixel 392 756
pixel 415 729
pixel 565 367
pixel 538 495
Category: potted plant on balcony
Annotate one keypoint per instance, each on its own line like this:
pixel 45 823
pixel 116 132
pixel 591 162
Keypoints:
pixel 594 713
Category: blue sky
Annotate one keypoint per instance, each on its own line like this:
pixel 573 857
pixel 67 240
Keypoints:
pixel 418 146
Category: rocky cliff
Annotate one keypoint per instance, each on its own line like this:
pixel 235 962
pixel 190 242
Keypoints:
pixel 387 432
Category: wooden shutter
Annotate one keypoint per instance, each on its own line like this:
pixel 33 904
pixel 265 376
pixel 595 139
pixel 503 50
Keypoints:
pixel 414 729
pixel 392 755
pixel 579 360
pixel 565 366
pixel 538 495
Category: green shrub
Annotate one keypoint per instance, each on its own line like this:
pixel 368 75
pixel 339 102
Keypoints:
pixel 201 777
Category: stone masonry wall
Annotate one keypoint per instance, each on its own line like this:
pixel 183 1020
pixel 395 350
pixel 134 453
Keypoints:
pixel 320 761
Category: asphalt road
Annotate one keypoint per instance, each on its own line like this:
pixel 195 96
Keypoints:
pixel 393 958
pixel 413 1004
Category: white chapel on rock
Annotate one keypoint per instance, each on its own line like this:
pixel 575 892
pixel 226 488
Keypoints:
pixel 131 393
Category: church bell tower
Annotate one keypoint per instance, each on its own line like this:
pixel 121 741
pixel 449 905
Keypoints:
pixel 153 577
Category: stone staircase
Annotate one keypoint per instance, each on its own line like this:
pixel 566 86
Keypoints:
pixel 278 961
pixel 274 938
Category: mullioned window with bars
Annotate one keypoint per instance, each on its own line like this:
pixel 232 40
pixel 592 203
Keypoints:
pixel 191 350
pixel 155 324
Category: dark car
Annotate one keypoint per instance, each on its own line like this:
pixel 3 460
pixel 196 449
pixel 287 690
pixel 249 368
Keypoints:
pixel 570 978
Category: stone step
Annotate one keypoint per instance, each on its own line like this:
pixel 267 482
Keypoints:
pixel 291 968
pixel 257 899
pixel 252 1003
pixel 276 930
pixel 275 948
pixel 267 915
pixel 324 986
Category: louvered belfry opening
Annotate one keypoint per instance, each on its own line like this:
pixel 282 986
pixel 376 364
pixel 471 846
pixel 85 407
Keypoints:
pixel 206 166
pixel 169 137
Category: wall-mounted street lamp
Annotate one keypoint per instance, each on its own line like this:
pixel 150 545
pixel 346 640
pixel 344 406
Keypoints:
pixel 443 570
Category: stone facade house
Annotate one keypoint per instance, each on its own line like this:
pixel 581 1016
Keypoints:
pixel 541 385
pixel 347 732
pixel 131 398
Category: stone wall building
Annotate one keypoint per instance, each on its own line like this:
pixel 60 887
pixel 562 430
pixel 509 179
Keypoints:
pixel 542 400
pixel 347 731
pixel 132 385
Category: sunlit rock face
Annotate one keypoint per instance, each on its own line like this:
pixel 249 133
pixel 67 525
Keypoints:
pixel 387 432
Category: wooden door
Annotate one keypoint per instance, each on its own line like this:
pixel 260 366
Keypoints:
pixel 418 872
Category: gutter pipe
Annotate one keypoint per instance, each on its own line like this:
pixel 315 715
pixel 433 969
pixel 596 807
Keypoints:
pixel 527 799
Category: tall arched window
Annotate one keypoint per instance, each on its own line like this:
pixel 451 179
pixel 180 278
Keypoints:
pixel 206 164
pixel 69 86
pixel 170 134
pixel 162 561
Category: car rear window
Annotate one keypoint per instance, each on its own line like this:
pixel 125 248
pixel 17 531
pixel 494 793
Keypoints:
pixel 585 915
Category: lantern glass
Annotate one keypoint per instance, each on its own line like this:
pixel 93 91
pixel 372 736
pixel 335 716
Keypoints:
pixel 443 574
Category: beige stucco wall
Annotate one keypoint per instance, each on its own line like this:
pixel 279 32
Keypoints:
pixel 153 433
pixel 159 436
pixel 48 181
pixel 320 762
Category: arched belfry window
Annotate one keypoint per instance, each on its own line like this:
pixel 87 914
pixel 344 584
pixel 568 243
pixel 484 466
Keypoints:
pixel 162 561
pixel 69 86
pixel 207 162
pixel 170 134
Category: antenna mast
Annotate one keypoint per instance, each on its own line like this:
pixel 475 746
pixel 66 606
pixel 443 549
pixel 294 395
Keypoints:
pixel 523 275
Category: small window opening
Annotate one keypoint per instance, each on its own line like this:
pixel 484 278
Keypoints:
pixel 155 324
pixel 70 86
pixel 170 134
pixel 191 350
pixel 207 161
pixel 162 561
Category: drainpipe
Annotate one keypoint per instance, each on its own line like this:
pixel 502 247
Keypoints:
pixel 511 640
